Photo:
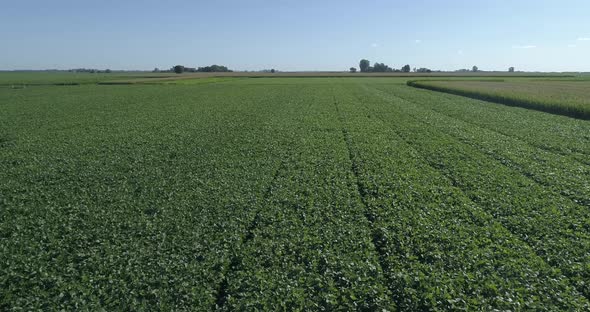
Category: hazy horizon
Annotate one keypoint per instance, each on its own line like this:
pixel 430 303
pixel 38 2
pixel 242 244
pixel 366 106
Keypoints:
pixel 543 36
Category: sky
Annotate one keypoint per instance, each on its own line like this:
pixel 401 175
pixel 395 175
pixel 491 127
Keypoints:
pixel 295 35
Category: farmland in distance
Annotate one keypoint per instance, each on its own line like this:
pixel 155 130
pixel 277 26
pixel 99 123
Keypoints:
pixel 570 97
pixel 296 193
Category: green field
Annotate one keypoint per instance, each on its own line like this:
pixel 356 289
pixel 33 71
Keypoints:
pixel 286 194
pixel 47 78
pixel 570 97
pixel 20 79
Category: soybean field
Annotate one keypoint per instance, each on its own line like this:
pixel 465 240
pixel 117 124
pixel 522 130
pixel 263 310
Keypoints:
pixel 286 194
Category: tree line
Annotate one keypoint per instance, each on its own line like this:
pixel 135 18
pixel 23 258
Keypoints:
pixel 179 69
pixel 476 69
pixel 365 67
pixel 89 70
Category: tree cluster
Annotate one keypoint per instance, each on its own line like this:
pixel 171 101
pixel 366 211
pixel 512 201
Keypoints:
pixel 89 70
pixel 213 69
pixel 476 69
pixel 365 66
pixel 423 70
pixel 179 69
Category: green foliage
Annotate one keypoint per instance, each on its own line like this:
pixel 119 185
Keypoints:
pixel 179 69
pixel 381 68
pixel 364 65
pixel 570 98
pixel 60 78
pixel 214 69
pixel 550 206
pixel 441 225
pixel 288 194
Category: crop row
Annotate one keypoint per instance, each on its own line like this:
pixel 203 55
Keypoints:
pixel 559 172
pixel 516 94
pixel 311 247
pixel 443 251
pixel 131 198
pixel 563 135
pixel 287 194
pixel 555 227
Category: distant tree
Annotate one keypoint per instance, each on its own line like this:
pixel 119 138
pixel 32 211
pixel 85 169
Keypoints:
pixel 364 65
pixel 475 69
pixel 353 70
pixel 378 67
pixel 381 68
pixel 406 69
pixel 213 69
pixel 272 71
pixel 423 70
pixel 108 71
pixel 156 70
pixel 179 69
pixel 511 69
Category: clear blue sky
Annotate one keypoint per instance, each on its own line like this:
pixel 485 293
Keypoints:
pixel 532 35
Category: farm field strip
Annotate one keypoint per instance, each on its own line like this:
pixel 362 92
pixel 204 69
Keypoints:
pixel 442 250
pixel 288 134
pixel 376 233
pixel 553 226
pixel 98 220
pixel 563 135
pixel 310 249
pixel 20 79
pixel 563 174
pixel 289 194
pixel 168 81
pixel 221 294
pixel 565 98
